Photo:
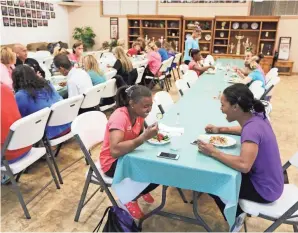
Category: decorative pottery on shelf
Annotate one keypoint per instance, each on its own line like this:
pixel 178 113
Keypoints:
pixel 222 34
pixel 254 26
pixel 235 25
pixel 191 26
pixel 205 48
pixel 244 26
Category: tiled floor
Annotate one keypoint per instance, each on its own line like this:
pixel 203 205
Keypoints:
pixel 54 209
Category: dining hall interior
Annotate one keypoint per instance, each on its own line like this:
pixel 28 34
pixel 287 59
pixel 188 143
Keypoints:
pixel 149 115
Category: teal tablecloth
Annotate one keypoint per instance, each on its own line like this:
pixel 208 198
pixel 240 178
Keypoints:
pixel 193 170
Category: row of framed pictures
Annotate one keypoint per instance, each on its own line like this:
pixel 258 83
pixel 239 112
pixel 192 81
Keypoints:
pixel 30 4
pixel 10 11
pixel 19 22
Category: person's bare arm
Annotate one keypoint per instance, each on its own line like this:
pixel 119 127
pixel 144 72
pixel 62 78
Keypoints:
pixel 235 130
pixel 119 147
pixel 242 163
pixel 202 69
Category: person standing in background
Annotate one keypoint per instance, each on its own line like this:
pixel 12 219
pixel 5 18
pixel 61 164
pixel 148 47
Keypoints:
pixel 191 43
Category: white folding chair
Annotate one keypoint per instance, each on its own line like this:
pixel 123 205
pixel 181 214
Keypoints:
pixel 257 89
pixel 273 72
pixel 182 86
pixel 164 101
pixel 183 68
pixel 108 55
pixel 209 60
pixel 48 61
pixel 191 77
pixel 89 129
pixel 282 211
pixel 46 71
pixel 270 85
pixel 23 133
pixel 92 96
pixel 139 64
pixel 41 55
pixel 140 74
pixel 110 74
pixel 30 54
pixel 154 115
pixel 268 108
pixel 176 63
pixel 109 91
pixel 62 112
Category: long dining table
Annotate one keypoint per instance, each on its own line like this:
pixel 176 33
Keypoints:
pixel 198 107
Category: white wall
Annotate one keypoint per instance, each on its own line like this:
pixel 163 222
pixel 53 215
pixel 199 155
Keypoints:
pixel 57 30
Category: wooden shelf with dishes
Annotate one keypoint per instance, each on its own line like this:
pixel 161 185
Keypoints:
pixel 154 28
pixel 233 34
pixel 206 24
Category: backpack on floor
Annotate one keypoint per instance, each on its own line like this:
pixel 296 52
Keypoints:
pixel 118 221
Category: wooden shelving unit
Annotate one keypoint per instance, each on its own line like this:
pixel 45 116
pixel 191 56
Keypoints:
pixel 206 25
pixel 154 27
pixel 263 37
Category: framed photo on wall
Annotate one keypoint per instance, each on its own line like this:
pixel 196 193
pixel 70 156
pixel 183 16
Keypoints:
pixel 27 3
pixel 4 10
pixel 39 23
pixel 17 12
pixel 5 21
pixel 37 5
pixel 23 13
pixel 29 22
pixel 22 3
pixel 12 22
pixel 284 48
pixel 10 11
pixel 53 15
pixel 18 22
pixel 24 23
pixel 16 2
pixel 34 23
pixel 3 2
pixel 45 23
pixel 114 33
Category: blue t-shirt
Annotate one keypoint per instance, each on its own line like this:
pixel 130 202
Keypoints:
pixel 163 53
pixel 27 105
pixel 190 43
pixel 257 75
pixel 96 78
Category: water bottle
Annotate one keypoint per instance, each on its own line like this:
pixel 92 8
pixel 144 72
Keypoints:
pixel 175 136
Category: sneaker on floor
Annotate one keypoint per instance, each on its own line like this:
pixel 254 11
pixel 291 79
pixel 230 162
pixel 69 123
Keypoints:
pixel 239 223
pixel 134 209
pixel 148 198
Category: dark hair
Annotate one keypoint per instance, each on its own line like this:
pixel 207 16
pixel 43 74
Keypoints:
pixel 193 52
pixel 135 93
pixel 75 45
pixel 158 44
pixel 61 60
pixel 25 78
pixel 241 95
pixel 260 57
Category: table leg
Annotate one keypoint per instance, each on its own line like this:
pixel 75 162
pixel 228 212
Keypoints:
pixel 195 211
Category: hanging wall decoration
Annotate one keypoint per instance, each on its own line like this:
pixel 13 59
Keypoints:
pixel 114 28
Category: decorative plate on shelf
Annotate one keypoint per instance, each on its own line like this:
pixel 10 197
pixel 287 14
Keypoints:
pixel 216 51
pixel 244 26
pixel 254 26
pixel 208 37
pixel 222 34
pixel 235 25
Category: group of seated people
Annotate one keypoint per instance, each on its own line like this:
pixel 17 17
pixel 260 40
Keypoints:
pixel 25 91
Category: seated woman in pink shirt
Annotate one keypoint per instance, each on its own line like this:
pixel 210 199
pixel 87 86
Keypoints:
pixel 77 52
pixel 194 63
pixel 8 59
pixel 125 132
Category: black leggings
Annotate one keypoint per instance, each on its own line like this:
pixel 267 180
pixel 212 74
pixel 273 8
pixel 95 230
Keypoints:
pixel 247 191
pixel 111 173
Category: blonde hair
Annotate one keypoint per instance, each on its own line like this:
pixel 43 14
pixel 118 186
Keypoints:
pixel 124 59
pixel 251 64
pixel 7 56
pixel 168 46
pixel 90 63
pixel 58 50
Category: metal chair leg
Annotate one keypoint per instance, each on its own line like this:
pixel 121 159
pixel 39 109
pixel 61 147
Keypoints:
pixel 182 195
pixel 295 228
pixel 17 190
pixel 49 150
pixel 245 226
pixel 52 172
pixel 83 196
pixel 58 149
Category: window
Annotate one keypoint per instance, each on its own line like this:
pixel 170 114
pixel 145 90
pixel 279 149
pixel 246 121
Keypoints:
pixel 285 7
pixel 131 7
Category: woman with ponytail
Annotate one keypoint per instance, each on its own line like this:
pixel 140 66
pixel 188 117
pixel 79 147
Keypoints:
pixel 259 160
pixel 125 132
pixel 254 73
pixel 194 64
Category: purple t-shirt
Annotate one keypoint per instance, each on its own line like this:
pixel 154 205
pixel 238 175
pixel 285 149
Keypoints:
pixel 266 173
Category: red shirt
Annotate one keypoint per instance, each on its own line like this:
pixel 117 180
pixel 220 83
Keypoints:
pixel 119 120
pixel 132 51
pixel 191 67
pixel 9 114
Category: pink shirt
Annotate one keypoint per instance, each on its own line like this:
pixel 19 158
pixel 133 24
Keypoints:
pixel 73 57
pixel 154 61
pixel 191 67
pixel 119 120
pixel 5 75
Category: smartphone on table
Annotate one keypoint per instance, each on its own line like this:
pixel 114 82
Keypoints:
pixel 166 155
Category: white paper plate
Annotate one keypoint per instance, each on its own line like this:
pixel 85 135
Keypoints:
pixel 206 138
pixel 208 37
pixel 155 142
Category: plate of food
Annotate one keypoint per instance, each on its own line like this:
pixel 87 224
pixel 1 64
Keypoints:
pixel 218 140
pixel 233 80
pixel 160 139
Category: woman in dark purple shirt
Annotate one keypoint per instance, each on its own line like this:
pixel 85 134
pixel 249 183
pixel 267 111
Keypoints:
pixel 259 161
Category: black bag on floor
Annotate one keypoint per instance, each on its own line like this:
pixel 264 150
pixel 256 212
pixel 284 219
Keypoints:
pixel 118 221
